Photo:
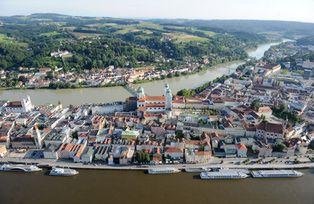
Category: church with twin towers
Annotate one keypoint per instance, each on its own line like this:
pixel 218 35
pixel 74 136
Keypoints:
pixel 154 106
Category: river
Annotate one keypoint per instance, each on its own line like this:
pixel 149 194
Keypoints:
pixel 115 187
pixel 110 94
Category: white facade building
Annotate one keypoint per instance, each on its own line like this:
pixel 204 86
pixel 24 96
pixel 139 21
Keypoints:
pixel 23 106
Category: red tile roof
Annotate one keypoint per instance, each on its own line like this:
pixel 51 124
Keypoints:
pixel 271 127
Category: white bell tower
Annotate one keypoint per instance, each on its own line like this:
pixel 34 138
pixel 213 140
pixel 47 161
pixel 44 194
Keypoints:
pixel 168 97
pixel 140 92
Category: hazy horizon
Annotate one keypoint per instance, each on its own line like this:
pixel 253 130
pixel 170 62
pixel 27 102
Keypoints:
pixel 280 10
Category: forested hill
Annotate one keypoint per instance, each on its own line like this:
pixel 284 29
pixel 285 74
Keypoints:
pixel 28 41
pixel 285 28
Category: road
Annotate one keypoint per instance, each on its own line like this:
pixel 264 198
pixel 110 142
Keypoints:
pixel 214 163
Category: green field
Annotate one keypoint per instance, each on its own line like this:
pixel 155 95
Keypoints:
pixel 50 34
pixel 184 38
pixel 10 41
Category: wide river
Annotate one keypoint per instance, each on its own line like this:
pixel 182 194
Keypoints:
pixel 128 187
pixel 115 187
pixel 110 94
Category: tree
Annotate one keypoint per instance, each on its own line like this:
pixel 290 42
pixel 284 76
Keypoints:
pixel 284 113
pixel 74 135
pixel 179 134
pixel 263 118
pixel 22 79
pixel 279 147
pixel 255 105
pixel 186 92
pixel 49 75
pixel 142 157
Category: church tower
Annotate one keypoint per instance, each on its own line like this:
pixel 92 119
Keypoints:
pixel 140 93
pixel 168 97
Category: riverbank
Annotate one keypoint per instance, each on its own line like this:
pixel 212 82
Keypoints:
pixel 214 163
pixel 117 93
pixel 64 86
pixel 257 53
pixel 110 94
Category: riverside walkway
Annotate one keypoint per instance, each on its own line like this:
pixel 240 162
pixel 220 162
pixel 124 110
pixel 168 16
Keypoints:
pixel 52 163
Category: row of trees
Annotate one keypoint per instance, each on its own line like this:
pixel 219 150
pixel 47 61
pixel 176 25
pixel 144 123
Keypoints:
pixel 142 157
pixel 191 92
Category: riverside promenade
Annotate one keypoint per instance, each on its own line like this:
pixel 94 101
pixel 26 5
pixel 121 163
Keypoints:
pixel 213 164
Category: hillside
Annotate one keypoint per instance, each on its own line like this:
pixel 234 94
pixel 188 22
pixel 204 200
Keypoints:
pixel 28 41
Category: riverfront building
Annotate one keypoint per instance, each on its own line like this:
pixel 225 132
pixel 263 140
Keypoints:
pixel 23 106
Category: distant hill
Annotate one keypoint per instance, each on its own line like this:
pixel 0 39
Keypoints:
pixel 98 42
pixel 255 26
pixel 309 40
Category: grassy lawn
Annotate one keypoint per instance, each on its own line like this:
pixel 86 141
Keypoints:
pixel 10 41
pixel 208 33
pixel 150 25
pixel 127 29
pixel 183 29
pixel 79 35
pixel 183 38
pixel 50 34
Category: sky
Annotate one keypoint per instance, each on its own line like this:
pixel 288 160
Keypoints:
pixel 290 10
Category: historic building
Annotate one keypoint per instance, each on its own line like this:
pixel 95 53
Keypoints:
pixel 23 106
pixel 152 106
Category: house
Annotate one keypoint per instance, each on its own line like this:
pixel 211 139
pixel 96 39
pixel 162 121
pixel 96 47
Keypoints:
pixel 290 151
pixel 130 134
pixel 157 159
pixel 88 156
pixel 230 150
pixel 5 130
pixel 264 150
pixel 102 152
pixel 121 154
pixel 72 150
pixel 241 150
pixel 22 138
pixel 50 151
pixel 60 53
pixel 267 69
pixel 173 155
pixel 302 148
pixel 108 108
pixel 265 111
pixel 57 136
pixel 127 155
pixel 78 151
pixel 195 156
pixel 3 150
pixel 269 130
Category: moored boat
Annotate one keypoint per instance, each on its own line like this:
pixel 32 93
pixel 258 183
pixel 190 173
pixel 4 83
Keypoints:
pixel 55 171
pixel 276 174
pixel 163 170
pixel 245 171
pixel 225 174
pixel 196 169
pixel 19 167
